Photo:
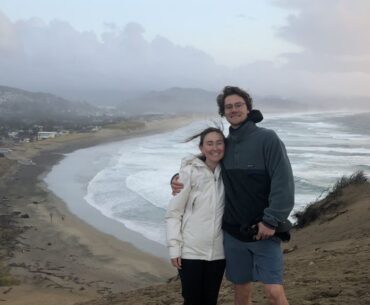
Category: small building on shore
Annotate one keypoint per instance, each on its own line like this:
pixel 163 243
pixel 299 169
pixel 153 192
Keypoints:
pixel 42 135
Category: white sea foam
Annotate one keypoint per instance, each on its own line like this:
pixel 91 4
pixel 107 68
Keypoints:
pixel 315 125
pixel 344 150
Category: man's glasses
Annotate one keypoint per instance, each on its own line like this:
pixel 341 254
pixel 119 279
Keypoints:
pixel 236 106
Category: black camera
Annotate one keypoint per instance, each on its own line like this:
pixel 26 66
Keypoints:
pixel 249 232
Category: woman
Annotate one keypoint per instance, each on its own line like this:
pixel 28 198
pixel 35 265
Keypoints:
pixel 193 220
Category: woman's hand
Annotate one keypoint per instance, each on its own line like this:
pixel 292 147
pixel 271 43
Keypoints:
pixel 176 262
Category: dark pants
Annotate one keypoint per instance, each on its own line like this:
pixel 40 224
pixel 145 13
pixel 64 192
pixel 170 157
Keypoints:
pixel 201 280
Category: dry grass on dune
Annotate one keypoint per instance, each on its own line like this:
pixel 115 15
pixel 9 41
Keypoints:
pixel 9 231
pixel 331 203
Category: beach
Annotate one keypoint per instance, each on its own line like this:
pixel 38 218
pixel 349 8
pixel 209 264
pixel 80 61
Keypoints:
pixel 56 257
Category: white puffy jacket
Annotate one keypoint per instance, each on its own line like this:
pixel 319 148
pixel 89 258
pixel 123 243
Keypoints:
pixel 194 215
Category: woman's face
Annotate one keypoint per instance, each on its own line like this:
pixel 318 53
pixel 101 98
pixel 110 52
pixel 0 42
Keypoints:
pixel 213 147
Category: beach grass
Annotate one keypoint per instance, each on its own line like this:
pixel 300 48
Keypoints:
pixel 331 202
pixel 8 236
pixel 126 125
pixel 6 279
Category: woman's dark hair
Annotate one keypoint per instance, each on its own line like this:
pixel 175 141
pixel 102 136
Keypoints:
pixel 203 134
pixel 230 90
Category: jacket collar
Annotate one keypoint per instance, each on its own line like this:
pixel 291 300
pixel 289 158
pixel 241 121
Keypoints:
pixel 195 161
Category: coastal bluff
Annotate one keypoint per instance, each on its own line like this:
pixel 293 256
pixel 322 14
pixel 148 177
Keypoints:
pixel 327 260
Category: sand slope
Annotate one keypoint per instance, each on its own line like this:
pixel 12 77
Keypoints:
pixel 57 258
pixel 327 262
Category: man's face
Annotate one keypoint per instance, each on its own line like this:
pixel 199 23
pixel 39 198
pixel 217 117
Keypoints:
pixel 236 111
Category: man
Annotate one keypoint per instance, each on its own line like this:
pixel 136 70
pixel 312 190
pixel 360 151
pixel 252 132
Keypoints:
pixel 259 196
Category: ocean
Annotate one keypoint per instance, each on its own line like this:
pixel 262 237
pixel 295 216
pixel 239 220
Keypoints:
pixel 128 181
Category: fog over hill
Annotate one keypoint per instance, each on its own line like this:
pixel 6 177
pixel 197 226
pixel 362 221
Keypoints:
pixel 172 101
pixel 178 100
pixel 33 106
pixel 16 102
pixel 20 109
pixel 194 100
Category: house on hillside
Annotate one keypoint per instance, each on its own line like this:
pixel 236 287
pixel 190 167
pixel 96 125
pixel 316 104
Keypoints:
pixel 13 134
pixel 42 135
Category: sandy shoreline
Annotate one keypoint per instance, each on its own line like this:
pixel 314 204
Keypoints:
pixel 69 179
pixel 60 259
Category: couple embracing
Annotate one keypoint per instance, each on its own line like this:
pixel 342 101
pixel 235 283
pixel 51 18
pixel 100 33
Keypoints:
pixel 231 208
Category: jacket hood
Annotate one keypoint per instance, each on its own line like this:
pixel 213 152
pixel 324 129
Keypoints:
pixel 192 160
pixel 255 116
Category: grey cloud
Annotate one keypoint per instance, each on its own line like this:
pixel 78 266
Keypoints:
pixel 8 37
pixel 55 56
pixel 322 63
pixel 333 34
pixel 266 77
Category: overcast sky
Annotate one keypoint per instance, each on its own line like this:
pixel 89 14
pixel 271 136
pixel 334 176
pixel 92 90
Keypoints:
pixel 286 47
